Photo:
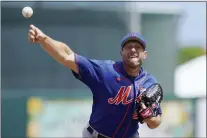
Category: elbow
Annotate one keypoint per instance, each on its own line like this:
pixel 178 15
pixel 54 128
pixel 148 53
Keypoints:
pixel 69 61
pixel 65 60
pixel 66 54
pixel 66 49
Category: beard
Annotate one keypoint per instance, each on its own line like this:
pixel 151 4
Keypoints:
pixel 133 63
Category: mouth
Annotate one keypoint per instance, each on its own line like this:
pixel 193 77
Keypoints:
pixel 134 56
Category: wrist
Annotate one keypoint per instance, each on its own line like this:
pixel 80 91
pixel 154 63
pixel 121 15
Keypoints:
pixel 44 39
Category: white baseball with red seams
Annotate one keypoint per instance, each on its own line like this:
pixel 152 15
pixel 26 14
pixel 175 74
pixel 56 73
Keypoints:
pixel 27 12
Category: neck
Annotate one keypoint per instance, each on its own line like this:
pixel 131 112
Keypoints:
pixel 134 72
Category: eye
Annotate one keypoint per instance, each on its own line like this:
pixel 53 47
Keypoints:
pixel 138 47
pixel 128 46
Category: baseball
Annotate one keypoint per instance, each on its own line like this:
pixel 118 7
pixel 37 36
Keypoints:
pixel 27 12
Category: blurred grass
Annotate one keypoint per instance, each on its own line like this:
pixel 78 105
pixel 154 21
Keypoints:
pixel 188 53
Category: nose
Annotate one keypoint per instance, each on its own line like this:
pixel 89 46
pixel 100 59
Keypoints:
pixel 133 49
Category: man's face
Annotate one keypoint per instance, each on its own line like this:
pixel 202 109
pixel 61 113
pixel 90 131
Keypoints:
pixel 133 54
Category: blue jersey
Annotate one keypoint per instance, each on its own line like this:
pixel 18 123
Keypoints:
pixel 114 94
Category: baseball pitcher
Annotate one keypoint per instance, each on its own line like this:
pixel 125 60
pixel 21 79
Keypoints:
pixel 124 94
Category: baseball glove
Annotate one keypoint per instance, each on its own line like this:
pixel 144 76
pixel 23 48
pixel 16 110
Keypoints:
pixel 151 98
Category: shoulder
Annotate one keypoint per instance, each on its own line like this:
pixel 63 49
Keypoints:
pixel 149 80
pixel 93 61
pixel 109 67
pixel 103 63
pixel 108 62
pixel 149 76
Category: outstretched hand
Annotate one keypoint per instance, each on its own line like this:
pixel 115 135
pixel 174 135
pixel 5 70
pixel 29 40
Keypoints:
pixel 35 35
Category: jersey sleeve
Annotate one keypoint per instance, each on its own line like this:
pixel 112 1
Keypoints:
pixel 159 110
pixel 89 71
pixel 150 81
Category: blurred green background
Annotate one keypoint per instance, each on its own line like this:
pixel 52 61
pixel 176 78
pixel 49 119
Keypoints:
pixel 37 91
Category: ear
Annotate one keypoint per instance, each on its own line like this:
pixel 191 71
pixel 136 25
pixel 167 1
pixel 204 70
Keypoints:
pixel 120 52
pixel 145 54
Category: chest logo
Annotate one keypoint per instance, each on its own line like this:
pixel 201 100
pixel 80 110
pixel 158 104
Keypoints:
pixel 121 96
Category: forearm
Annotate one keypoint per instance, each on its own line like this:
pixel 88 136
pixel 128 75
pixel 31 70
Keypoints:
pixel 153 122
pixel 58 50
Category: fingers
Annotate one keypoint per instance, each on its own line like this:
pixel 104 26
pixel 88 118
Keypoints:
pixel 32 27
pixel 32 33
pixel 35 34
pixel 31 36
pixel 35 29
pixel 135 115
pixel 143 106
